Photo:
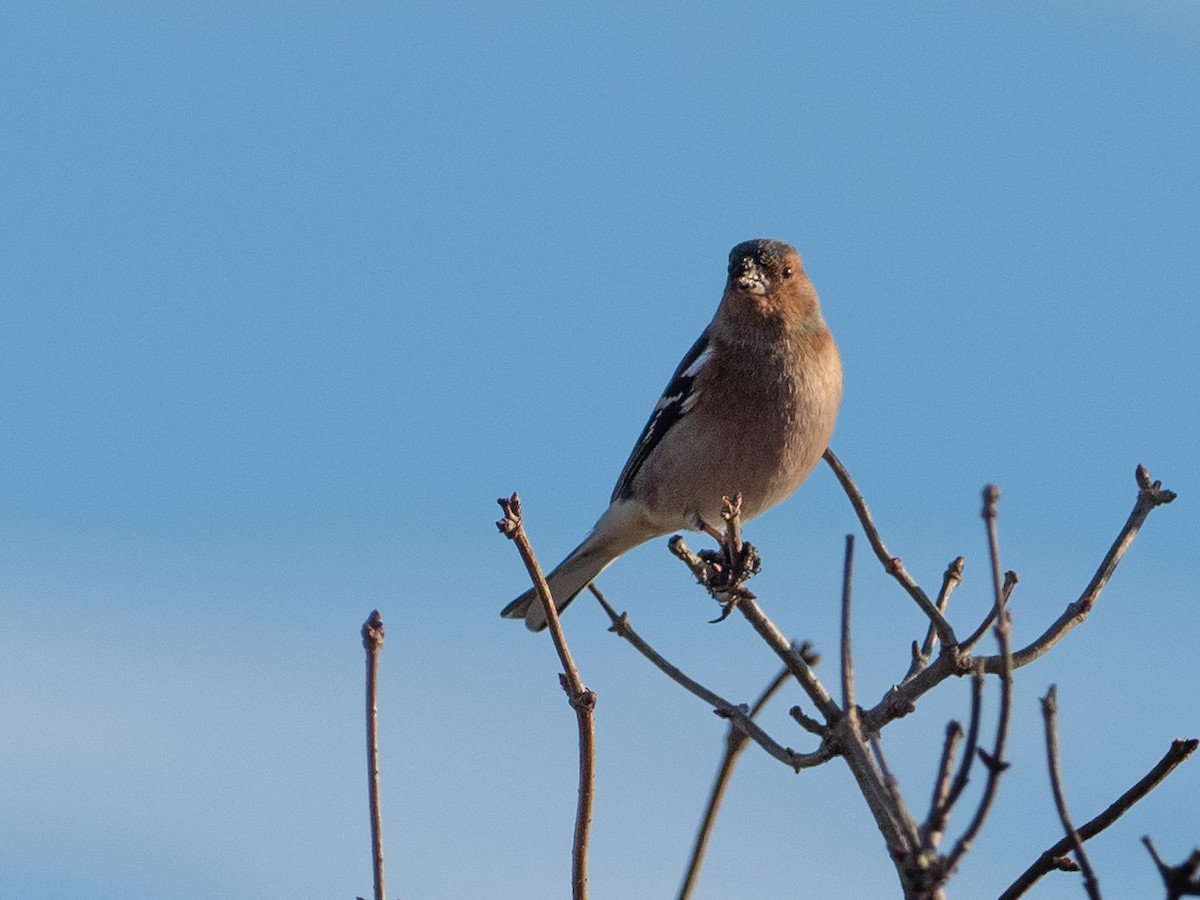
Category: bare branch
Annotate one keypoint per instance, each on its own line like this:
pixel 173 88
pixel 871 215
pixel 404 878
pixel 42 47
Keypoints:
pixel 869 779
pixel 995 761
pixel 1150 495
pixel 735 743
pixel 1180 880
pixel 582 700
pixel 874 777
pixel 892 785
pixel 847 654
pixel 1050 715
pixel 737 715
pixel 1010 581
pixel 716 571
pixel 964 770
pixel 796 663
pixel 901 699
pixel 808 723
pixel 372 637
pixel 891 564
pixel 1176 754
pixel 931 830
pixel 951 579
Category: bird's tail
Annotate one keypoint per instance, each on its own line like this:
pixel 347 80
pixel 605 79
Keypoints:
pixel 570 577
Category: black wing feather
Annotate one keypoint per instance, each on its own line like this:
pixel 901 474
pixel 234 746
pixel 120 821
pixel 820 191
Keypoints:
pixel 676 400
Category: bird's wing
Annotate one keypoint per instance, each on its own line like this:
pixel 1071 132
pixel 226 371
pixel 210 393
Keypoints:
pixel 676 400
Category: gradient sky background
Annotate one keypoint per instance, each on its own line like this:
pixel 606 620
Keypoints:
pixel 291 292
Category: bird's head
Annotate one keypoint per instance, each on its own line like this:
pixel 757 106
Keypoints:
pixel 763 267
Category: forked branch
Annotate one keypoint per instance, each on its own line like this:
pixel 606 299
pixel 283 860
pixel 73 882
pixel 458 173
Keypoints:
pixel 1048 861
pixel 1180 880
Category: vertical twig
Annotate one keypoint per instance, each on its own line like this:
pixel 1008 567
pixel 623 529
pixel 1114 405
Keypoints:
pixel 872 771
pixel 582 700
pixel 372 636
pixel 994 762
pixel 847 658
pixel 935 822
pixel 1050 715
pixel 964 771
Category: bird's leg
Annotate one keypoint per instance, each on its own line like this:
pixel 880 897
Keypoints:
pixel 743 560
pixel 699 524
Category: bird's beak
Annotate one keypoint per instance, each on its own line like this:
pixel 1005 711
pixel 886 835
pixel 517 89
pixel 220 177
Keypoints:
pixel 753 279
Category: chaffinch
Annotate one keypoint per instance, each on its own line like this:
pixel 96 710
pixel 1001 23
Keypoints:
pixel 750 409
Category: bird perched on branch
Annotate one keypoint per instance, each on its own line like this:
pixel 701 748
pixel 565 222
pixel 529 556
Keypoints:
pixel 749 410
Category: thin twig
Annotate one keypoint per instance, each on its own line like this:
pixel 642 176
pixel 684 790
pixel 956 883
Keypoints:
pixel 847 653
pixel 1010 582
pixel 931 829
pixel 1151 494
pixel 808 723
pixel 951 579
pixel 737 715
pixel 875 777
pixel 622 628
pixel 1181 880
pixel 735 743
pixel 995 761
pixel 901 699
pixel 1050 715
pixel 372 638
pixel 880 780
pixel 582 700
pixel 938 821
pixel 1176 754
pixel 795 662
pixel 891 564
pixel 870 781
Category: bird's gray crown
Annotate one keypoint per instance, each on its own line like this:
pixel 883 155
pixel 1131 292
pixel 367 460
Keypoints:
pixel 762 253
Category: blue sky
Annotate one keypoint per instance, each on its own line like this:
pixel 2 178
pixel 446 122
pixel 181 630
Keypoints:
pixel 291 292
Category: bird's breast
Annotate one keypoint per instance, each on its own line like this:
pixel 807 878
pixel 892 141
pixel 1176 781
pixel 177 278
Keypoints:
pixel 759 425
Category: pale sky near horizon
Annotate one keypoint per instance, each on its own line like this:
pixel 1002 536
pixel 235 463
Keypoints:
pixel 292 292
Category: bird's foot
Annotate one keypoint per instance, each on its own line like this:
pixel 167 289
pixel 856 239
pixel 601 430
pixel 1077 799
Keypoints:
pixel 723 571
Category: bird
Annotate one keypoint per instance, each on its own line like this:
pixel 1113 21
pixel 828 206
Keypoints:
pixel 750 409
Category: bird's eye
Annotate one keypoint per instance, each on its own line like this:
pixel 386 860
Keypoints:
pixel 787 271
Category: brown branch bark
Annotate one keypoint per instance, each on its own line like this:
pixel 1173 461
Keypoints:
pixel 372 638
pixel 891 564
pixel 582 700
pixel 1180 880
pixel 1050 716
pixel 951 579
pixel 995 761
pixel 737 714
pixel 847 650
pixel 735 743
pixel 1176 754
pixel 952 661
pixel 1150 495
pixel 935 822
